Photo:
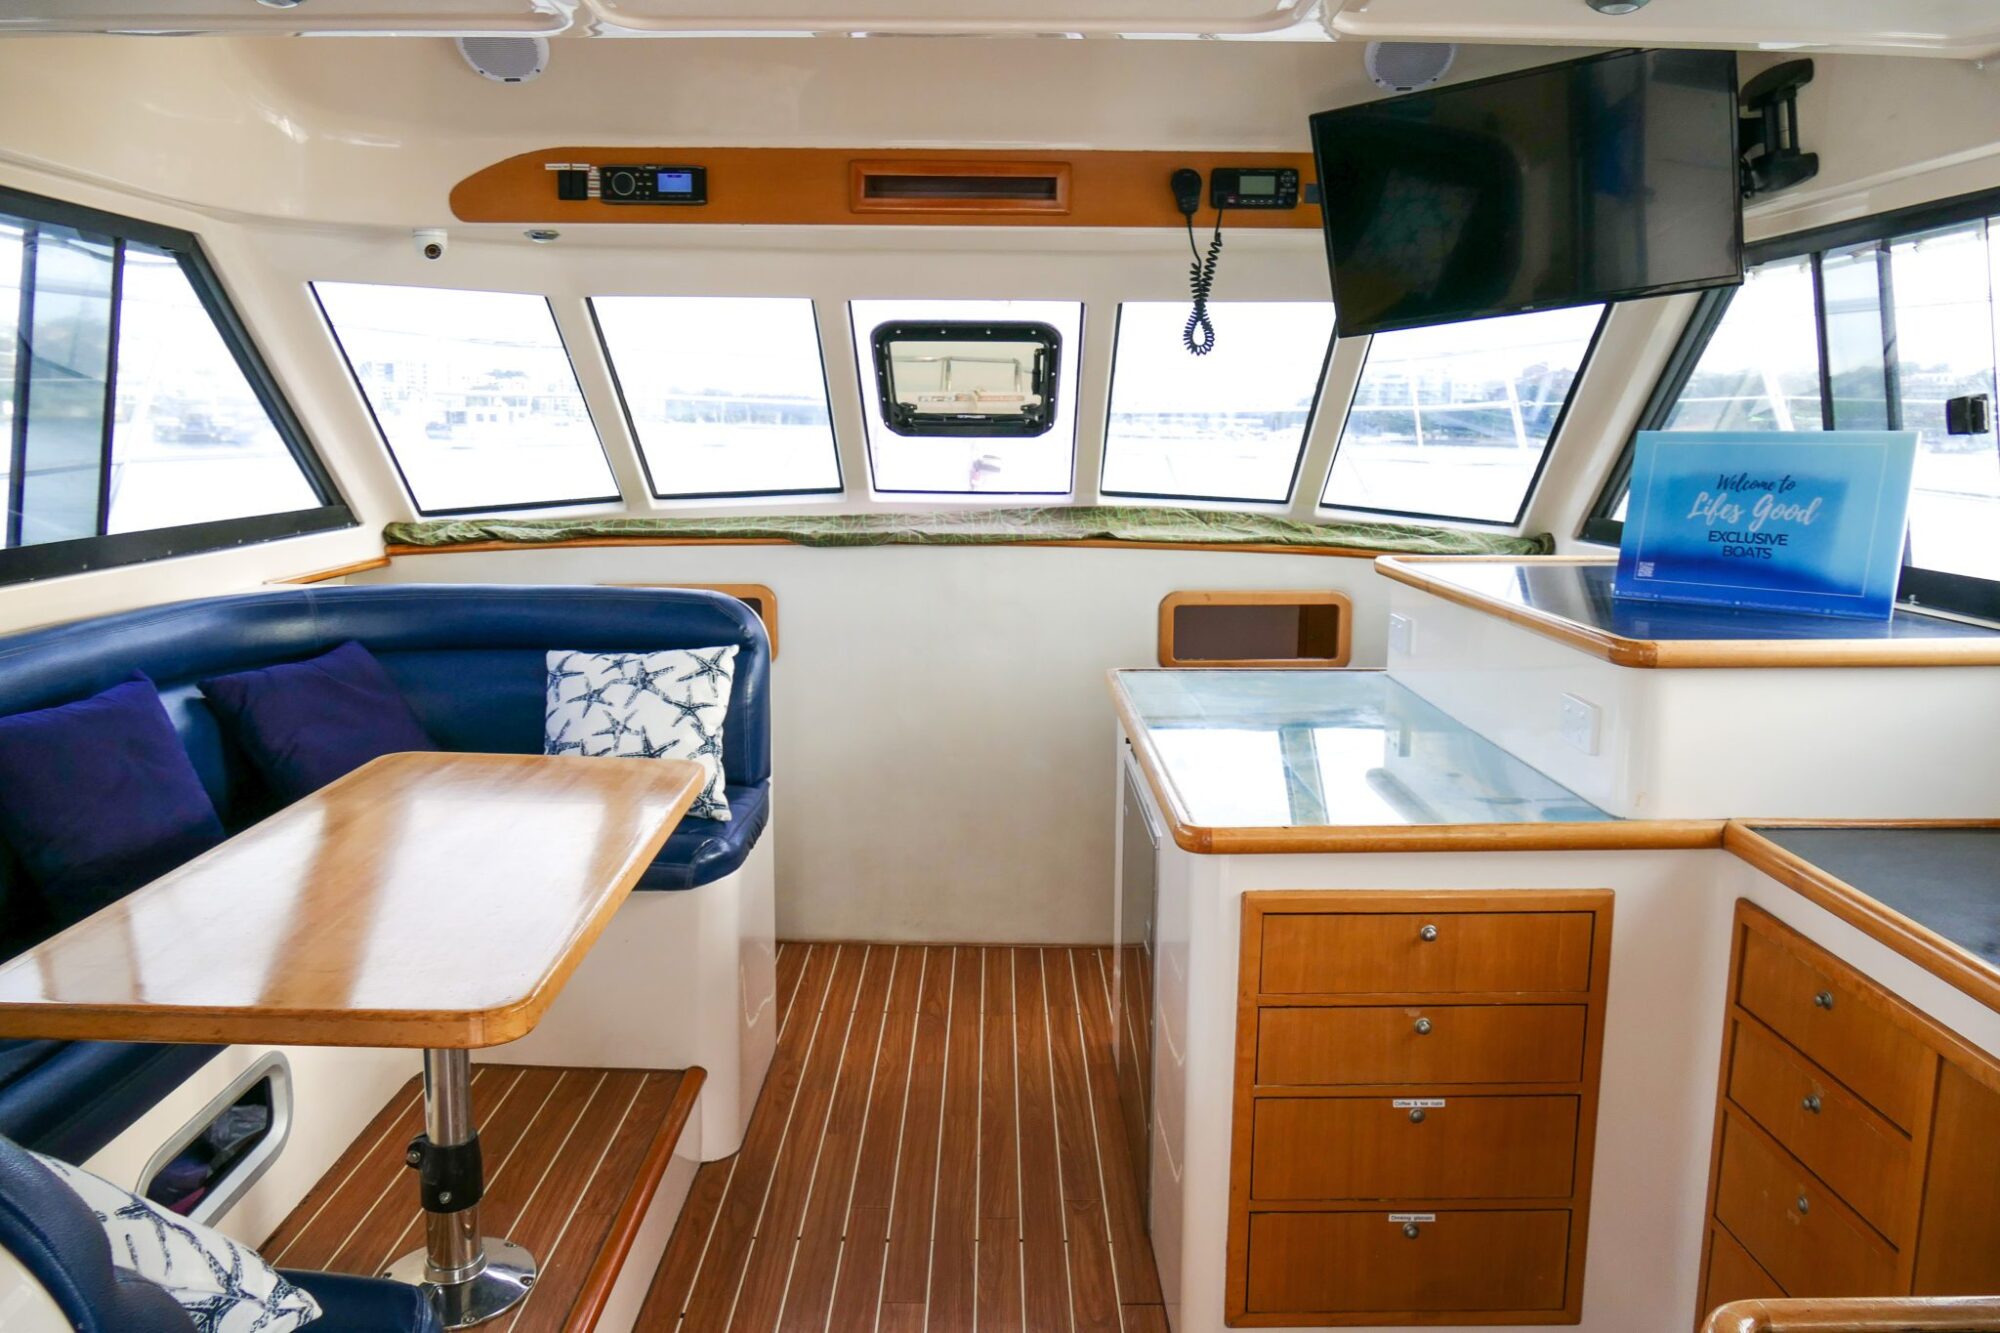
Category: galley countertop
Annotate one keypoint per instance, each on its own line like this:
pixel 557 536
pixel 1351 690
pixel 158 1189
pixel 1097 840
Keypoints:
pixel 1569 599
pixel 1931 892
pixel 1323 761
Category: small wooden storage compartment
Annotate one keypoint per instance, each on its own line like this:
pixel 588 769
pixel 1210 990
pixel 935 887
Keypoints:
pixel 1439 1043
pixel 1797 1230
pixel 1416 1106
pixel 1411 953
pixel 1826 1127
pixel 1387 1268
pixel 1844 1028
pixel 1342 1148
pixel 1839 1096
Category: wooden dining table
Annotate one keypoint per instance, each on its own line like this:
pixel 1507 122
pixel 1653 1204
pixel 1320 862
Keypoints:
pixel 426 900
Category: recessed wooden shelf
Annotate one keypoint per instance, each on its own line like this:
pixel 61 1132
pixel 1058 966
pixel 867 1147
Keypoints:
pixel 1285 629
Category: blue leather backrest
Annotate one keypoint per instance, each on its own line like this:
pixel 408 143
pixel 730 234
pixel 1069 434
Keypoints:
pixel 470 658
pixel 59 1241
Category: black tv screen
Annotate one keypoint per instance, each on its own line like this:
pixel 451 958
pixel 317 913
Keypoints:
pixel 1594 180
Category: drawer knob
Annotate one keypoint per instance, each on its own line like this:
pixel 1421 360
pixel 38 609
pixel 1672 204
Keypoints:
pixel 1811 1103
pixel 1410 1230
pixel 1428 933
pixel 1423 1027
pixel 1823 1000
pixel 1417 1116
pixel 1803 1204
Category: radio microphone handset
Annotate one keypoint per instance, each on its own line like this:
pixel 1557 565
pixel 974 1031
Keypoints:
pixel 1199 335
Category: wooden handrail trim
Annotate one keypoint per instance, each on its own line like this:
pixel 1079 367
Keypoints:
pixel 1890 1314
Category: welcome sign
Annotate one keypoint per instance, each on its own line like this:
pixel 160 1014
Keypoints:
pixel 1781 521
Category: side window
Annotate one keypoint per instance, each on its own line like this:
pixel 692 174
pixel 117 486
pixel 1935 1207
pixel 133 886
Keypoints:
pixel 968 464
pixel 726 395
pixel 1862 334
pixel 1454 421
pixel 1226 426
pixel 474 394
pixel 138 421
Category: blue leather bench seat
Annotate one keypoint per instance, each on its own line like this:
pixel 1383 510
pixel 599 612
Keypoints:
pixel 471 660
pixel 702 851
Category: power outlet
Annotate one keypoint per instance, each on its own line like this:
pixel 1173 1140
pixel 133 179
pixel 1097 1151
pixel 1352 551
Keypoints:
pixel 1582 723
pixel 1402 634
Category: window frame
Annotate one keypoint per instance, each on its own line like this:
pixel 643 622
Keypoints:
pixel 864 370
pixel 1298 455
pixel 1541 464
pixel 45 560
pixel 1959 594
pixel 632 426
pixel 460 511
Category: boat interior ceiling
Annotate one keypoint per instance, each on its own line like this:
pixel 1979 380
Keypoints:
pixel 1280 664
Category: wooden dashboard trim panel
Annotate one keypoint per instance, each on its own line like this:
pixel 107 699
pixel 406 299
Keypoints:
pixel 397 550
pixel 1682 653
pixel 816 187
pixel 335 572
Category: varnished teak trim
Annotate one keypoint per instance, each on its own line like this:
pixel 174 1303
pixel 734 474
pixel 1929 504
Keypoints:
pixel 815 187
pixel 1682 653
pixel 399 550
pixel 1898 1314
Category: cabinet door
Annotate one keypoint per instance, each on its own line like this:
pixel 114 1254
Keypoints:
pixel 1958 1243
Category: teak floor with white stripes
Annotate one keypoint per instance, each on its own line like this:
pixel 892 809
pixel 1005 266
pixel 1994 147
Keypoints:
pixel 938 1148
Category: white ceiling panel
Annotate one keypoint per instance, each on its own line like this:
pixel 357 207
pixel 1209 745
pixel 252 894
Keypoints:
pixel 1967 29
pixel 333 17
pixel 1192 18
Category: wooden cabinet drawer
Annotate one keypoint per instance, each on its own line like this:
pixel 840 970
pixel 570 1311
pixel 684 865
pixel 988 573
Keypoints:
pixel 1338 1263
pixel 1369 1148
pixel 1514 1043
pixel 1855 1041
pixel 1821 1248
pixel 1379 953
pixel 1733 1275
pixel 1850 1147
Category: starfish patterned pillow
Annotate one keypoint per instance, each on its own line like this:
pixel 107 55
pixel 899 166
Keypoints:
pixel 223 1286
pixel 665 705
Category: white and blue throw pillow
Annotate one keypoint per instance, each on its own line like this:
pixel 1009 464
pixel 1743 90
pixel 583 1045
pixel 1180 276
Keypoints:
pixel 665 705
pixel 223 1286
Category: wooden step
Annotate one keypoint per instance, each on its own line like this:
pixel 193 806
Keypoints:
pixel 573 1157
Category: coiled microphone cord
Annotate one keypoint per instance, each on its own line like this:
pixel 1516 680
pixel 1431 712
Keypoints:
pixel 1199 335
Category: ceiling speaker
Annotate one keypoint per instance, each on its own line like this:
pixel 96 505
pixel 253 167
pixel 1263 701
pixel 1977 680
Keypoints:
pixel 506 59
pixel 1404 67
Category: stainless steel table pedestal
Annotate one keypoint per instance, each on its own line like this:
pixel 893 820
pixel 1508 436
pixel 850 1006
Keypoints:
pixel 470 1277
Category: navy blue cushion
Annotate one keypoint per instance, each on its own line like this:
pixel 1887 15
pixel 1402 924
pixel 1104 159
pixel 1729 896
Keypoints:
pixel 365 1304
pixel 57 1238
pixel 303 724
pixel 70 1098
pixel 97 797
pixel 702 851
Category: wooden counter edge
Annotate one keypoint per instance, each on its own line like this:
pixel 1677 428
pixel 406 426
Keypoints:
pixel 470 1029
pixel 1920 945
pixel 1682 654
pixel 1206 840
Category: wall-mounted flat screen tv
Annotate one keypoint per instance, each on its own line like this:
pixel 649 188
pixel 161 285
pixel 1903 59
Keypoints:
pixel 1599 179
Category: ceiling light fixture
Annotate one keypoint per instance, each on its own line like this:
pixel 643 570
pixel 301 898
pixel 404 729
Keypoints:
pixel 281 4
pixel 1616 7
pixel 542 235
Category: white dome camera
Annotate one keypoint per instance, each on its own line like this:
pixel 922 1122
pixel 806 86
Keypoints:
pixel 431 241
